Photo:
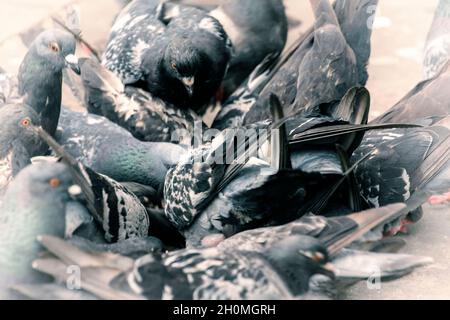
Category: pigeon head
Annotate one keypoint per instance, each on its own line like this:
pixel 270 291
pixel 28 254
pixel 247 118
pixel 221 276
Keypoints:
pixel 182 61
pixel 298 258
pixel 40 74
pixel 33 205
pixel 56 49
pixel 49 178
pixel 17 121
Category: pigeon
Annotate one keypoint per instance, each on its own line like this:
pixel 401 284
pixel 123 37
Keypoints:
pixel 325 66
pixel 277 263
pixel 233 111
pixel 119 211
pixel 280 272
pixel 216 189
pixel 430 93
pixel 40 74
pixel 111 150
pixel 328 230
pixel 204 172
pixel 437 46
pixel 33 204
pixel 123 53
pixel 145 116
pixel 356 20
pixel 18 142
pixel 402 162
pixel 256 29
pixel 180 53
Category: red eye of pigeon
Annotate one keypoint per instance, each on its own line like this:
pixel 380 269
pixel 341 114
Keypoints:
pixel 54 183
pixel 174 66
pixel 25 122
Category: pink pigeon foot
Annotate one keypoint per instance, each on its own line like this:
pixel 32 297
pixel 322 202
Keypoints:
pixel 440 199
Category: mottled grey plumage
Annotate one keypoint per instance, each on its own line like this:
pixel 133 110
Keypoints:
pixel 146 117
pixel 33 204
pixel 206 171
pixel 119 212
pixel 348 264
pixel 271 263
pixel 111 150
pixel 181 53
pixel 18 142
pixel 259 195
pixel 404 161
pixel 124 52
pixel 281 271
pixel 40 74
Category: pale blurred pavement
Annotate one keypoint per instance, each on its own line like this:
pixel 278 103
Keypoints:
pixel 395 68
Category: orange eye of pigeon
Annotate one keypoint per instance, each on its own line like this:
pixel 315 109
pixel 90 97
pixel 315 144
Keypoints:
pixel 25 122
pixel 174 66
pixel 54 183
pixel 54 46
pixel 318 257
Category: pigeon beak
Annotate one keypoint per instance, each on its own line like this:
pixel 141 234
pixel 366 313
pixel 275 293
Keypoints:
pixel 72 63
pixel 189 84
pixel 75 190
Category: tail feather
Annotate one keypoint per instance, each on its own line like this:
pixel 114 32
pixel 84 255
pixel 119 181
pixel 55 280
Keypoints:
pixel 72 255
pixel 367 221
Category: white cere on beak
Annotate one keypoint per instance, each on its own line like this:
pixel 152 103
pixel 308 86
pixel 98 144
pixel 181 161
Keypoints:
pixel 71 59
pixel 189 81
pixel 75 190
pixel 330 267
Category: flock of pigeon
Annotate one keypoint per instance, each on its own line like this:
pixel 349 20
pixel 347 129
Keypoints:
pixel 290 193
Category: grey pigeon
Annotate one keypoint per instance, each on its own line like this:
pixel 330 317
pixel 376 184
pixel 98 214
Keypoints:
pixel 325 66
pixel 216 190
pixel 404 161
pixel 18 142
pixel 123 53
pixel 280 272
pixel 437 46
pixel 234 109
pixel 40 74
pixel 117 210
pixel 33 204
pixel 112 151
pixel 145 116
pixel 257 29
pixel 271 263
pixel 349 263
pixel 203 173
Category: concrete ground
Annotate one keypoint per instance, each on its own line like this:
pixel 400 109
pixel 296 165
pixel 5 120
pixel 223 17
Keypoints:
pixel 395 67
